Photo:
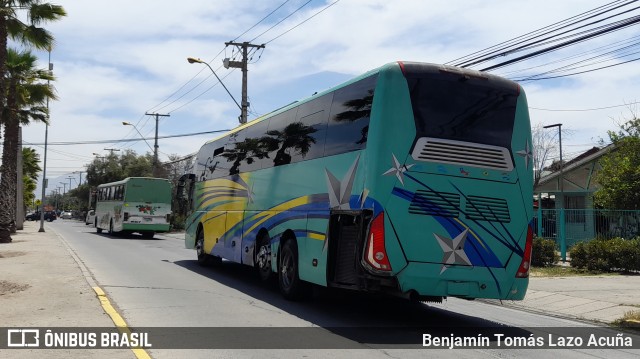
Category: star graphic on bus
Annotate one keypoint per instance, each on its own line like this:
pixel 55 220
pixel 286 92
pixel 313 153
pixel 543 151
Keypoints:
pixel 397 169
pixel 340 191
pixel 526 153
pixel 453 250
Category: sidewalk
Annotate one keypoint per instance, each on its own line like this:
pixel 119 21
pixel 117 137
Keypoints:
pixel 601 299
pixel 42 285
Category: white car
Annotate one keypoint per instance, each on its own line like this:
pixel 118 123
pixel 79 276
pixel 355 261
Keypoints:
pixel 91 217
pixel 66 215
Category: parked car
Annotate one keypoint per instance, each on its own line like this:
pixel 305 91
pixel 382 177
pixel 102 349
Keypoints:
pixel 35 216
pixel 91 217
pixel 66 215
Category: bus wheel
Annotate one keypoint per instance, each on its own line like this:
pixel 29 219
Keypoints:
pixel 111 228
pixel 98 229
pixel 148 235
pixel 291 286
pixel 262 258
pixel 204 259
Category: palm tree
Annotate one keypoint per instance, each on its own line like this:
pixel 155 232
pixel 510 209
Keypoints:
pixel 29 34
pixel 24 103
pixel 30 170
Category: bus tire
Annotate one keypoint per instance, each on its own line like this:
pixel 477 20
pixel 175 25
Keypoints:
pixel 204 259
pixel 262 257
pixel 291 286
pixel 111 227
pixel 148 235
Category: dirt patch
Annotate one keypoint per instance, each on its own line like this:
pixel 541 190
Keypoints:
pixel 9 254
pixel 7 287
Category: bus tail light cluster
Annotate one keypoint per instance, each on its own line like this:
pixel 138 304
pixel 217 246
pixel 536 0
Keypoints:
pixel 126 216
pixel 523 270
pixel 376 253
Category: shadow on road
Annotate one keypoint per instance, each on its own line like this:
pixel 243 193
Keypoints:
pixel 361 317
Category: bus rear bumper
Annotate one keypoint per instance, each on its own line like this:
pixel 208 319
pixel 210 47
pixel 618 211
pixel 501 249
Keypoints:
pixel 158 228
pixel 434 280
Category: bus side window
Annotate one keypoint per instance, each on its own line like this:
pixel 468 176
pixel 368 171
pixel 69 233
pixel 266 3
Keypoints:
pixel 280 138
pixel 311 124
pixel 254 149
pixel 349 120
pixel 234 153
pixel 209 167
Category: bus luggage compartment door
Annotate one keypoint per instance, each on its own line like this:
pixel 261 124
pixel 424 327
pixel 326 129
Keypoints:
pixel 346 233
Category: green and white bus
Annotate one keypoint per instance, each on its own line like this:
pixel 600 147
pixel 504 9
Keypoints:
pixel 135 204
pixel 413 178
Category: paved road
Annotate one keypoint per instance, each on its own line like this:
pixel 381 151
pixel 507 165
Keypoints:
pixel 157 283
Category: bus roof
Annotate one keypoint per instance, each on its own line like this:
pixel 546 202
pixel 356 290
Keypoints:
pixel 300 102
pixel 128 179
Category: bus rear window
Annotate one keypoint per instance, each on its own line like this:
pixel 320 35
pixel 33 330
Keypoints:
pixel 463 108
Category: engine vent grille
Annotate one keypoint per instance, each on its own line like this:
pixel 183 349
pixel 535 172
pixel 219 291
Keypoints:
pixel 430 203
pixel 462 153
pixel 487 209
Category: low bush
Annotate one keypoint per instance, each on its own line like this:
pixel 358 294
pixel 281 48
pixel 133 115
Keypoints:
pixel 177 222
pixel 544 253
pixel 607 255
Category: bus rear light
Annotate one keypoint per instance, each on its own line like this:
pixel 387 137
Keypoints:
pixel 525 265
pixel 376 253
pixel 126 216
pixel 402 67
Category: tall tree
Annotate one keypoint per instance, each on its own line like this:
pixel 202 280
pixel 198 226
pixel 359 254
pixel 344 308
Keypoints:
pixel 25 100
pixel 619 178
pixel 31 35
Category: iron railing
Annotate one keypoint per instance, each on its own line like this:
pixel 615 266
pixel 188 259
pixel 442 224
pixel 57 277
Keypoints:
pixel 570 226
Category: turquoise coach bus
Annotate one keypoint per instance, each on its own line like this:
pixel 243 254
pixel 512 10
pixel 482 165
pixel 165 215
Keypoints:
pixel 135 204
pixel 413 178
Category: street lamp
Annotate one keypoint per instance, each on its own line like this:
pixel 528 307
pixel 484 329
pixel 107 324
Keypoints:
pixel 559 126
pixel 193 60
pixel 44 163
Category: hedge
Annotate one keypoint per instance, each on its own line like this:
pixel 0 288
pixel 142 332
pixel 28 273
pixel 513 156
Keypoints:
pixel 607 255
pixel 543 253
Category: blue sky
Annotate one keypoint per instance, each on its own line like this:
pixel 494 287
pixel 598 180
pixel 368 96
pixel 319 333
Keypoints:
pixel 116 61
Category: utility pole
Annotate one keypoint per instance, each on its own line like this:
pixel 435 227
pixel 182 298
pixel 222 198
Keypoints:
pixel 244 46
pixel 155 143
pixel 111 150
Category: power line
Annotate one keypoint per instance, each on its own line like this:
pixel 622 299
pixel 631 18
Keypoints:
pixel 64 143
pixel 261 20
pixel 283 19
pixel 582 110
pixel 302 22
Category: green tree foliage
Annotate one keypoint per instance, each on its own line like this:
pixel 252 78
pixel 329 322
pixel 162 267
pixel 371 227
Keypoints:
pixel 619 178
pixel 30 170
pixel 114 167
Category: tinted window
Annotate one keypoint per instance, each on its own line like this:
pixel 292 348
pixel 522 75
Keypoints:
pixel 282 138
pixel 208 162
pixel 255 151
pixel 234 152
pixel 463 108
pixel 311 128
pixel 349 120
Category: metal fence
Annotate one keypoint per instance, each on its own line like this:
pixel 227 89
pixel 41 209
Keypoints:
pixel 570 226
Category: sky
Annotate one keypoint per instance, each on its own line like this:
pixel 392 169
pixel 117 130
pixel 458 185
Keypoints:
pixel 117 61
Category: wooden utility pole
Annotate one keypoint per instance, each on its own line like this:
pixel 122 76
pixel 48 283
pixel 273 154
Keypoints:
pixel 244 46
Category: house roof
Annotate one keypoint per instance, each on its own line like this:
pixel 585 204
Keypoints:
pixel 572 176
